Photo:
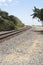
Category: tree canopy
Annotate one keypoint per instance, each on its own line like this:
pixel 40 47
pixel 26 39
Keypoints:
pixel 38 13
pixel 3 13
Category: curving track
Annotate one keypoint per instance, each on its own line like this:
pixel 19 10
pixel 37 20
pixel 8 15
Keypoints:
pixel 10 33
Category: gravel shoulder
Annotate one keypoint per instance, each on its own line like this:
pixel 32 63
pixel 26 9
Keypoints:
pixel 24 49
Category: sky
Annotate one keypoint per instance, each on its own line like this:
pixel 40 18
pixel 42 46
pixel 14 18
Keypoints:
pixel 22 9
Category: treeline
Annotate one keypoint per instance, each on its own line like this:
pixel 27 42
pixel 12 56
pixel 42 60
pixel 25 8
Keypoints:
pixel 9 22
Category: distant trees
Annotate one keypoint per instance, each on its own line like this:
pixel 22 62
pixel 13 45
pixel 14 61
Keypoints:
pixel 38 13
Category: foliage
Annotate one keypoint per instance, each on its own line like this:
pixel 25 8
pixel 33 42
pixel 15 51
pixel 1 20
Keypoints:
pixel 38 13
pixel 9 22
pixel 3 13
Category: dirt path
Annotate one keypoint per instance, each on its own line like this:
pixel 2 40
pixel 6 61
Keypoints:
pixel 24 49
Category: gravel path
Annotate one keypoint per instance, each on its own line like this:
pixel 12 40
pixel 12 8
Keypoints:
pixel 24 49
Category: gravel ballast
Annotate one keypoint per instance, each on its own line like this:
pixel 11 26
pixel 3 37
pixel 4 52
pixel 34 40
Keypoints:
pixel 24 49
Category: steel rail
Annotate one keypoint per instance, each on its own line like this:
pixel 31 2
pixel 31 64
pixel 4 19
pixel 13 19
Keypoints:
pixel 10 33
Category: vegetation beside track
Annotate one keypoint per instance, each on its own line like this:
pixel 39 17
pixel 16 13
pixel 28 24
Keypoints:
pixel 9 22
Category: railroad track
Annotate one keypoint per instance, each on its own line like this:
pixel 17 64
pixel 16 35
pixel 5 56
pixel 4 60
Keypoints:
pixel 10 33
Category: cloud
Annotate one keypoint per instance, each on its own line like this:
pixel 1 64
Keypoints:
pixel 1 1
pixel 16 2
pixel 8 2
pixel 4 1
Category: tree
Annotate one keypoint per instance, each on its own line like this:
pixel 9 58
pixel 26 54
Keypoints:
pixel 38 13
pixel 3 13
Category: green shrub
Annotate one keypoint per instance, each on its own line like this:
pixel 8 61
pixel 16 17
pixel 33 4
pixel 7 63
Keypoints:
pixel 9 22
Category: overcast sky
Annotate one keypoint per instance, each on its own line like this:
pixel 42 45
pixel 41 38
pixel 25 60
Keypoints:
pixel 22 9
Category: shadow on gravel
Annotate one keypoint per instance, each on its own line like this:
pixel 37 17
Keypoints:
pixel 40 32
